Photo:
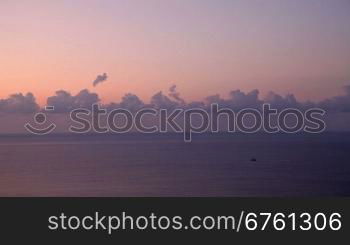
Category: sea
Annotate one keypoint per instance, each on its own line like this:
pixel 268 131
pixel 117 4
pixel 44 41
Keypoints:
pixel 158 165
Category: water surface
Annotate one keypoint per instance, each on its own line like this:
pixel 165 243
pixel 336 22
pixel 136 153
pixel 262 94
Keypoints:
pixel 163 165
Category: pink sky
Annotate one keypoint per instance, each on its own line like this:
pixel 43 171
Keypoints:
pixel 205 47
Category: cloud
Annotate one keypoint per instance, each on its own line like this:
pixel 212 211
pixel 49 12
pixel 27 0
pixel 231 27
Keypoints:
pixel 240 100
pixel 99 79
pixel 19 103
pixel 175 95
pixel 337 103
pixel 63 101
pixel 214 99
pixel 237 100
pixel 161 101
pixel 17 108
pixel 279 102
pixel 84 99
pixel 129 101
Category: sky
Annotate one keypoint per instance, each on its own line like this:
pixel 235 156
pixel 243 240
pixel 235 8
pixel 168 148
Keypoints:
pixel 203 46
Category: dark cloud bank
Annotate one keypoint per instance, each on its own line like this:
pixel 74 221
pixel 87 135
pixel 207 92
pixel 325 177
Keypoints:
pixel 19 103
pixel 18 109
pixel 64 101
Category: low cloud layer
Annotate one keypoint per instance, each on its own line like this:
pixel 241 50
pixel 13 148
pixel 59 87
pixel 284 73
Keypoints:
pixel 63 101
pixel 19 103
pixel 129 101
pixel 175 95
pixel 100 79
pixel 237 100
pixel 338 103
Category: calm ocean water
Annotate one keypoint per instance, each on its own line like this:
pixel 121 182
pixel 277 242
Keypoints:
pixel 163 165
